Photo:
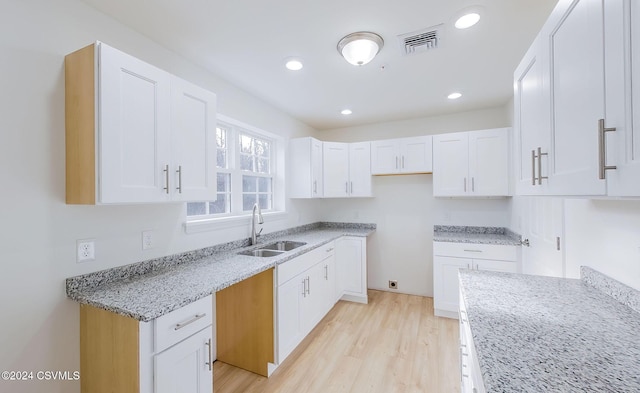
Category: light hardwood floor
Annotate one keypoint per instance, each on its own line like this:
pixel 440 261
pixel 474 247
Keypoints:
pixel 393 344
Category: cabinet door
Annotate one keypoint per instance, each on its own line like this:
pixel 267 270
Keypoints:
pixel 316 168
pixel 385 157
pixel 445 282
pixel 489 162
pixel 416 155
pixel 193 135
pixel 360 169
pixel 451 164
pixel 622 65
pixel 134 129
pixel 351 268
pixel 335 157
pixel 531 120
pixel 187 366
pixel 495 266
pixel 575 34
pixel 289 304
pixel 313 302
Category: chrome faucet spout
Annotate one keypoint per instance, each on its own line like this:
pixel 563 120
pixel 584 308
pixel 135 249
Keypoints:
pixel 254 235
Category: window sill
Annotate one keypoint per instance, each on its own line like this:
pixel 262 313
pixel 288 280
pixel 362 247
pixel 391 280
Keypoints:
pixel 212 224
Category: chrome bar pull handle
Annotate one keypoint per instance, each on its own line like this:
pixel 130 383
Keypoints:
pixel 189 322
pixel 473 184
pixel 352 187
pixel 304 287
pixel 209 350
pixel 602 150
pixel 402 162
pixel 315 186
pixel 540 177
pixel 326 272
pixel 396 162
pixel 346 188
pixel 465 184
pixel 533 167
pixel 179 172
pixel 308 286
pixel 166 178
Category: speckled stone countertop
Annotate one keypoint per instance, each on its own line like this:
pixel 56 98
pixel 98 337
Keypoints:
pixel 150 289
pixel 476 235
pixel 543 334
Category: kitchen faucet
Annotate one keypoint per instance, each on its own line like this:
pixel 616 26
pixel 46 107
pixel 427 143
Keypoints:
pixel 254 235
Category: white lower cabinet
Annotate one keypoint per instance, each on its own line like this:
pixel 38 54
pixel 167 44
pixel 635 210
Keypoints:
pixel 171 354
pixel 470 374
pixel 310 285
pixel 304 296
pixel 185 367
pixel 448 258
pixel 351 266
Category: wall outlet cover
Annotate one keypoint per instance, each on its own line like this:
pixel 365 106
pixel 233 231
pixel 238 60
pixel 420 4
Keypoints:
pixel 85 250
pixel 147 240
pixel 393 284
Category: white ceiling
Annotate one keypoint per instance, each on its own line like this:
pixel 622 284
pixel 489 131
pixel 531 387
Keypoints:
pixel 246 42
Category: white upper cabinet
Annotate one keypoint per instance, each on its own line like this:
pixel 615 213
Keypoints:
pixel 575 34
pixel 193 133
pixel 346 169
pixel 152 138
pixel 531 120
pixel 471 163
pixel 579 77
pixel 305 168
pixel 622 71
pixel 405 155
pixel 134 131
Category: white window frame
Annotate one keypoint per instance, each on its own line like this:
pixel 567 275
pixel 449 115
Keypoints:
pixel 277 168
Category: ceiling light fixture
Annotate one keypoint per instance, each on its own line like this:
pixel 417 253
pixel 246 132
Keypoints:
pixel 467 20
pixel 293 64
pixel 454 96
pixel 346 112
pixel 361 47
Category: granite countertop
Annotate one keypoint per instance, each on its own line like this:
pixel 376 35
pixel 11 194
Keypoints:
pixel 476 235
pixel 543 334
pixel 150 289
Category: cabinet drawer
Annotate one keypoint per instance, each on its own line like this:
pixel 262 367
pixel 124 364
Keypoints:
pixel 290 269
pixel 182 323
pixel 476 251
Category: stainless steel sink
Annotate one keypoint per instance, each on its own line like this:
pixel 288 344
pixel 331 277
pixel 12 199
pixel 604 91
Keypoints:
pixel 285 245
pixel 261 253
pixel 273 249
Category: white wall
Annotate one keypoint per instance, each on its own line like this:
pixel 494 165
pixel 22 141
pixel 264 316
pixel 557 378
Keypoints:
pixel 40 327
pixel 404 207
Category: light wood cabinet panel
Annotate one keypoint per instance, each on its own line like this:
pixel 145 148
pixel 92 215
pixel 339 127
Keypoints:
pixel 245 339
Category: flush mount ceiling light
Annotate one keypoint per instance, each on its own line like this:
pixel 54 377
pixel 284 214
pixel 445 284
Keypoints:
pixel 467 20
pixel 293 64
pixel 346 112
pixel 454 96
pixel 361 47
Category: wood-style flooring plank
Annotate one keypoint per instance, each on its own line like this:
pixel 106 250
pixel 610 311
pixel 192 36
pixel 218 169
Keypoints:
pixel 394 344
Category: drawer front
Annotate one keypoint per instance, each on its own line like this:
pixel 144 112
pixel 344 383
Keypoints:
pixel 290 269
pixel 182 323
pixel 476 251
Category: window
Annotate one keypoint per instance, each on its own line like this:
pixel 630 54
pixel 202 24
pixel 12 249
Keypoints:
pixel 246 166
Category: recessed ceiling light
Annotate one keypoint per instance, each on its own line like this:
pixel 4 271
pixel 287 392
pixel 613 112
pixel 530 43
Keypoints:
pixel 467 20
pixel 294 64
pixel 346 112
pixel 454 96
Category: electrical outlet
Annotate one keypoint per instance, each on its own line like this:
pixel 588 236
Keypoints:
pixel 147 240
pixel 393 284
pixel 86 250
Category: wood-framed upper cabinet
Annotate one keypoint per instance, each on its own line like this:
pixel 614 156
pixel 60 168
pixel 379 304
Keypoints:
pixel 575 36
pixel 622 76
pixel 135 133
pixel 401 156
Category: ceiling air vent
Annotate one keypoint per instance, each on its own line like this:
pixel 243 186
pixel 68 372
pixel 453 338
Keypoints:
pixel 420 41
